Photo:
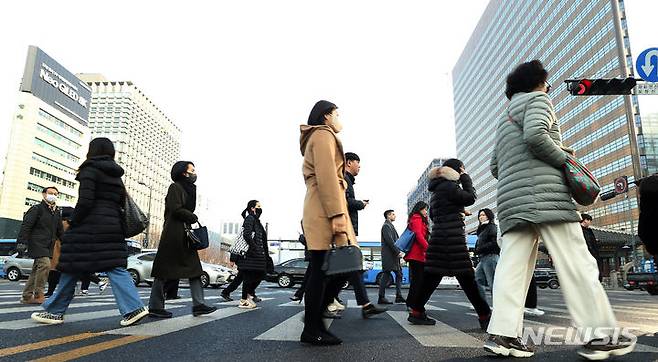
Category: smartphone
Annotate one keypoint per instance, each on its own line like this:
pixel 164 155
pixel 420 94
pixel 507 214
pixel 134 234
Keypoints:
pixel 368 201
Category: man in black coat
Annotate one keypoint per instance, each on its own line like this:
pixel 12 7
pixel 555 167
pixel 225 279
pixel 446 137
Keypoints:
pixel 390 260
pixel 352 168
pixel 647 229
pixel 592 243
pixel 42 225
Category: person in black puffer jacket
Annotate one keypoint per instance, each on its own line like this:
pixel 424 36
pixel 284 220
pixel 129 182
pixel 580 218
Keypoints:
pixel 487 250
pixel 95 241
pixel 447 253
pixel 257 261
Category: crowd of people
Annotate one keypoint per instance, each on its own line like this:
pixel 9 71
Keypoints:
pixel 534 204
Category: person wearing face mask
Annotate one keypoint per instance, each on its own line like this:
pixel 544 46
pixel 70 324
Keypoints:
pixel 256 261
pixel 175 259
pixel 326 216
pixel 42 225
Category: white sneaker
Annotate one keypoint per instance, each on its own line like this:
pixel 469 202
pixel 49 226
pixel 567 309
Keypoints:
pixel 103 285
pixel 246 304
pixel 534 312
pixel 335 307
pixel 84 292
pixel 48 318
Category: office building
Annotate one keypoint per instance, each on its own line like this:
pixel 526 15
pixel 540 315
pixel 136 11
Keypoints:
pixel 48 141
pixel 146 140
pixel 573 39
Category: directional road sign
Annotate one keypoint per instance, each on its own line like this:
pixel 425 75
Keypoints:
pixel 647 65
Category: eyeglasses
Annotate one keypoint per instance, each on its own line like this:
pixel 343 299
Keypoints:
pixel 548 86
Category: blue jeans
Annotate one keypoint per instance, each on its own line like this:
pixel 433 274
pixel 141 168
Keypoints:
pixel 123 288
pixel 485 271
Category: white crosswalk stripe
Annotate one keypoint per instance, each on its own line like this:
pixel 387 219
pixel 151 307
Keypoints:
pixel 176 324
pixel 37 308
pixel 288 330
pixel 440 335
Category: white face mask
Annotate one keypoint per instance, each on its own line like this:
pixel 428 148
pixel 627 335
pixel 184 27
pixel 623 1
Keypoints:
pixel 51 199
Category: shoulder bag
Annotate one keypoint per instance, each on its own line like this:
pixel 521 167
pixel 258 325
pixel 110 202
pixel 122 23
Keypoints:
pixel 134 220
pixel 342 260
pixel 197 238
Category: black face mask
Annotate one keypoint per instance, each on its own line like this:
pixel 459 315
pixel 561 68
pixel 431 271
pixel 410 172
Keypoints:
pixel 259 211
pixel 192 178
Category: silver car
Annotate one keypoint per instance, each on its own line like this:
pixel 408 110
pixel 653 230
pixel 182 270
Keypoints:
pixel 140 265
pixel 16 268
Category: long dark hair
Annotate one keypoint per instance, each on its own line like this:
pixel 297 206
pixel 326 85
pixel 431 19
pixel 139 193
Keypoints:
pixel 251 204
pixel 489 213
pixel 100 146
pixel 416 210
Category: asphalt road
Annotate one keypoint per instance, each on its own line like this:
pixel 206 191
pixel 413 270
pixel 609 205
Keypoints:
pixel 91 331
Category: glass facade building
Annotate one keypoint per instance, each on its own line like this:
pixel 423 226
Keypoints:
pixel 574 39
pixel 420 191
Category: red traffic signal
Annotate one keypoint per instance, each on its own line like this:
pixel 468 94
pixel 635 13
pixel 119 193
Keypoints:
pixel 600 87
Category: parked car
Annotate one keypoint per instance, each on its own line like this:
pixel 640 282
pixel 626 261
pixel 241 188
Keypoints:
pixel 288 273
pixel 645 278
pixel 140 265
pixel 546 277
pixel 16 268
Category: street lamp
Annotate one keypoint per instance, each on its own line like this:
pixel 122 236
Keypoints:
pixel 148 228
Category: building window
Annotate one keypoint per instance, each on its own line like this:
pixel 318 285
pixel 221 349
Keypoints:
pixel 50 177
pixel 47 161
pixel 56 150
pixel 31 202
pixel 59 123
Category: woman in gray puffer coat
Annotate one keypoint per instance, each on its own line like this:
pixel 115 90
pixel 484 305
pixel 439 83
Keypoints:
pixel 534 202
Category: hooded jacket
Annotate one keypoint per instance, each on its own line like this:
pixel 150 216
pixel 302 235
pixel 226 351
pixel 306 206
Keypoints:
pixel 323 170
pixel 527 161
pixel 95 241
pixel 447 253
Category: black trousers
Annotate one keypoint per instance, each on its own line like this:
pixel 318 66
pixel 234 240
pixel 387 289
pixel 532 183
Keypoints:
pixel 302 288
pixel 235 283
pixel 87 279
pixel 468 284
pixel 531 298
pixel 416 276
pixel 320 291
pixel 387 278
pixel 360 292
pixel 251 281
pixel 171 288
pixel 53 280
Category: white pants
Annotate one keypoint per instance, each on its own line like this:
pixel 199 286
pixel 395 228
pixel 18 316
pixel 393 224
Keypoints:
pixel 577 271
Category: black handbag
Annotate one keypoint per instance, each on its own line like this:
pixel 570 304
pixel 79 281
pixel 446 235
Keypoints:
pixel 342 260
pixel 134 220
pixel 197 239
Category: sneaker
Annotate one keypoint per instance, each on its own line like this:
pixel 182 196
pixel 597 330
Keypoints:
pixel 320 339
pixel 508 346
pixel 226 297
pixel 400 300
pixel 256 299
pixel 48 318
pixel 534 312
pixel 384 301
pixel 340 305
pixel 84 292
pixel 160 313
pixel 246 304
pixel 594 351
pixel 371 310
pixel 421 320
pixel 295 298
pixel 202 310
pixel 103 285
pixel 134 317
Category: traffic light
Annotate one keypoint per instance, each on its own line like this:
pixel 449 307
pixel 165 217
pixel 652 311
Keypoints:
pixel 600 87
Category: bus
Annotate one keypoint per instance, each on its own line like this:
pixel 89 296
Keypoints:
pixel 372 261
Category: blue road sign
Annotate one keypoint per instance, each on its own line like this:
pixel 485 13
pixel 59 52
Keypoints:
pixel 647 65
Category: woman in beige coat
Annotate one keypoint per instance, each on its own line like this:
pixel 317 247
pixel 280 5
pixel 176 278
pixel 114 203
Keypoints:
pixel 326 218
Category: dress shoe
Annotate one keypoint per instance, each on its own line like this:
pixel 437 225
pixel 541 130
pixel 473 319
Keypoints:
pixel 319 339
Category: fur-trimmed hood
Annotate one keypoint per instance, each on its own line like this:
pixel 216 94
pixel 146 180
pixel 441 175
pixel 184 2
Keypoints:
pixel 443 172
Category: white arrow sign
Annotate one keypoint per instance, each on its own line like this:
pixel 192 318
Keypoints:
pixel 648 66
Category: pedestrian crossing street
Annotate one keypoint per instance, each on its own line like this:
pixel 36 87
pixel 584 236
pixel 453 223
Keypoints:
pixel 101 310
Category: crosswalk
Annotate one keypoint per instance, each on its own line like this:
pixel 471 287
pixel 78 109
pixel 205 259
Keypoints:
pixel 287 328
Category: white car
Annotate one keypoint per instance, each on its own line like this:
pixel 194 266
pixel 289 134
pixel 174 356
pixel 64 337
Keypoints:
pixel 140 265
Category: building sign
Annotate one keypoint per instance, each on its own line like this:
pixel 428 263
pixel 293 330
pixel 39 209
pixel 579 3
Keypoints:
pixel 52 83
